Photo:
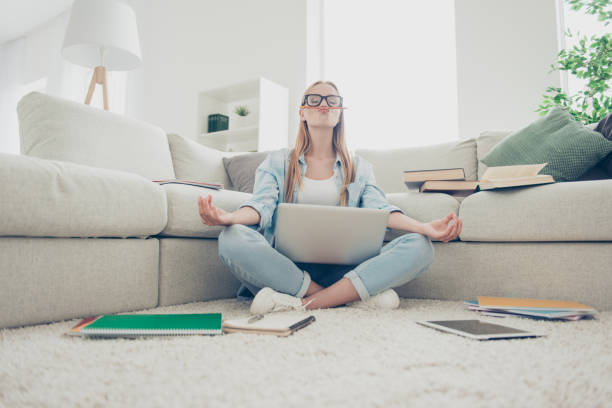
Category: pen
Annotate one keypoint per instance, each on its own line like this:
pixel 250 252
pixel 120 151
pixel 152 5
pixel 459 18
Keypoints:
pixel 255 318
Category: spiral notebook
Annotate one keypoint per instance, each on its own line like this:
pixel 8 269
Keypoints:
pixel 139 325
pixel 278 324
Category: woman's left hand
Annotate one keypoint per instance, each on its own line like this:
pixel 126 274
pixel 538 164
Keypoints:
pixel 445 229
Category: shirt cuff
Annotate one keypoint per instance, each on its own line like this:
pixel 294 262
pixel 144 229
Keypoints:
pixel 391 208
pixel 259 207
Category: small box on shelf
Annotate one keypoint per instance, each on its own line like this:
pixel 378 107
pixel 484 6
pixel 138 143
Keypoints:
pixel 217 122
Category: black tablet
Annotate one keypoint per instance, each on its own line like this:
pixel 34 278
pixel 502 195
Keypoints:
pixel 475 329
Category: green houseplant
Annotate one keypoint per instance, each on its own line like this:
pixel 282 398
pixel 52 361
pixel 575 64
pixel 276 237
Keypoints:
pixel 242 110
pixel 591 60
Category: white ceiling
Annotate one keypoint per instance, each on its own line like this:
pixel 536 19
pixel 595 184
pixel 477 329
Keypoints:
pixel 17 17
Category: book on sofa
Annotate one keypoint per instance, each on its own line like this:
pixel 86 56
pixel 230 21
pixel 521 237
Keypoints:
pixel 415 178
pixel 493 178
pixel 452 187
pixel 144 325
pixel 513 176
pixel 216 186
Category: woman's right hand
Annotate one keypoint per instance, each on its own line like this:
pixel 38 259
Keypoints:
pixel 212 215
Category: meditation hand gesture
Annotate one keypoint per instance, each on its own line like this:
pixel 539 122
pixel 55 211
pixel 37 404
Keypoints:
pixel 443 230
pixel 212 215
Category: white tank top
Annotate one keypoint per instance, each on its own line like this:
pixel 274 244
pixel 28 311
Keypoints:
pixel 321 192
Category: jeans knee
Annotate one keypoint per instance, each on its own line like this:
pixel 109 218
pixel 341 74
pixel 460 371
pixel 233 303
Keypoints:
pixel 427 249
pixel 230 238
pixel 422 245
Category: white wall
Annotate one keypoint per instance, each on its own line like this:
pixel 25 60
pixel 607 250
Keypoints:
pixel 504 52
pixel 193 45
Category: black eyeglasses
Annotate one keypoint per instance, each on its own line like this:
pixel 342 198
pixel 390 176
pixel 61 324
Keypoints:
pixel 316 100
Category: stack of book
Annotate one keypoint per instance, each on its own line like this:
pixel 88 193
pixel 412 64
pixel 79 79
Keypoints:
pixel 532 308
pixel 453 180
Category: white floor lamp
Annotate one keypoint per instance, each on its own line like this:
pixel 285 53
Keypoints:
pixel 102 34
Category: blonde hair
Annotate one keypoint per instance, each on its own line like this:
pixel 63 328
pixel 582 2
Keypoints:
pixel 302 145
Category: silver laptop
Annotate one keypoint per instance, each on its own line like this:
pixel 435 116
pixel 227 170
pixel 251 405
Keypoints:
pixel 329 234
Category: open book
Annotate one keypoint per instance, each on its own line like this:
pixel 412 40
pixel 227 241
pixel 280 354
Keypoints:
pixel 512 176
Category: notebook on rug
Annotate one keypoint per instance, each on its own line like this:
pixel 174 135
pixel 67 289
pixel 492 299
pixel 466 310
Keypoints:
pixel 138 325
pixel 491 302
pixel 531 313
pixel 278 324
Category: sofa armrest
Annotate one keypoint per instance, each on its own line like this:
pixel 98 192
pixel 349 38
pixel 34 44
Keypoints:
pixel 40 197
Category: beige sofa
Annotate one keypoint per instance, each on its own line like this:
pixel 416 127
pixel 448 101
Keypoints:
pixel 84 231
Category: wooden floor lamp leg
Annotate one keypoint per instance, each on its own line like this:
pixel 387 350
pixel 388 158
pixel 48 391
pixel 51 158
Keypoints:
pixel 92 86
pixel 104 92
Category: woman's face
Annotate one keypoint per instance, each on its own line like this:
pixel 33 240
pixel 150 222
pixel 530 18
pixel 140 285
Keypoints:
pixel 321 117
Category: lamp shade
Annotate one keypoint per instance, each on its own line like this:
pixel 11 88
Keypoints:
pixel 102 24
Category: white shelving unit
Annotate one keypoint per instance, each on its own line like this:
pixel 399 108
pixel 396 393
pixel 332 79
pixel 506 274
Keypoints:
pixel 266 126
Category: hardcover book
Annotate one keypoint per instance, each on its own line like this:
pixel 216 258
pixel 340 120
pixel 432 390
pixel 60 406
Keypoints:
pixel 452 186
pixel 415 178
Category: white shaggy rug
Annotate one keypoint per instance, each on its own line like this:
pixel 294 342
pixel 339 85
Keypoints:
pixel 348 357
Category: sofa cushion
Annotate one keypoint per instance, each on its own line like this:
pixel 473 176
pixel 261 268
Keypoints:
pixel 422 207
pixel 48 198
pixel 569 148
pixel 241 170
pixel 196 162
pixel 183 213
pixel 389 165
pixel 59 129
pixel 570 211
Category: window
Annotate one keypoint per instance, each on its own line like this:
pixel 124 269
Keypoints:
pixel 395 64
pixel 580 24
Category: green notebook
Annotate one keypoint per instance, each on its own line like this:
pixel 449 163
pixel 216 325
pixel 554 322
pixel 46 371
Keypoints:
pixel 137 325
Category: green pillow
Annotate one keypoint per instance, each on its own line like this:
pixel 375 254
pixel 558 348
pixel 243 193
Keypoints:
pixel 569 148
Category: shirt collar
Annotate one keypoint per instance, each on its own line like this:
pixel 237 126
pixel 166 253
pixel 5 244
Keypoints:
pixel 338 160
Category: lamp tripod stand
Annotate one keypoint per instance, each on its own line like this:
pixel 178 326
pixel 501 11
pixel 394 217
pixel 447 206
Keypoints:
pixel 98 77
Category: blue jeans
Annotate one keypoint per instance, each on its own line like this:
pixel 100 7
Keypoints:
pixel 256 264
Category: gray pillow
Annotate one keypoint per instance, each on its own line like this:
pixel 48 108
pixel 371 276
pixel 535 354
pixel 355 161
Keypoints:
pixel 241 170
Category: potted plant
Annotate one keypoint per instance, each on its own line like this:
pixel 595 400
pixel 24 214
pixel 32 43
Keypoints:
pixel 242 112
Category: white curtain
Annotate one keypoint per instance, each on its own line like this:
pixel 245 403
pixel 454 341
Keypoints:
pixel 34 63
pixel 395 64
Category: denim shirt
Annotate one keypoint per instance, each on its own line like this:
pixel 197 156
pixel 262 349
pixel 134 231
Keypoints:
pixel 268 190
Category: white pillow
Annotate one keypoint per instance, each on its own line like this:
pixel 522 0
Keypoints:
pixel 196 162
pixel 58 129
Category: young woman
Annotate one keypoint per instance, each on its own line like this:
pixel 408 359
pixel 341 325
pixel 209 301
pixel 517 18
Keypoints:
pixel 319 170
